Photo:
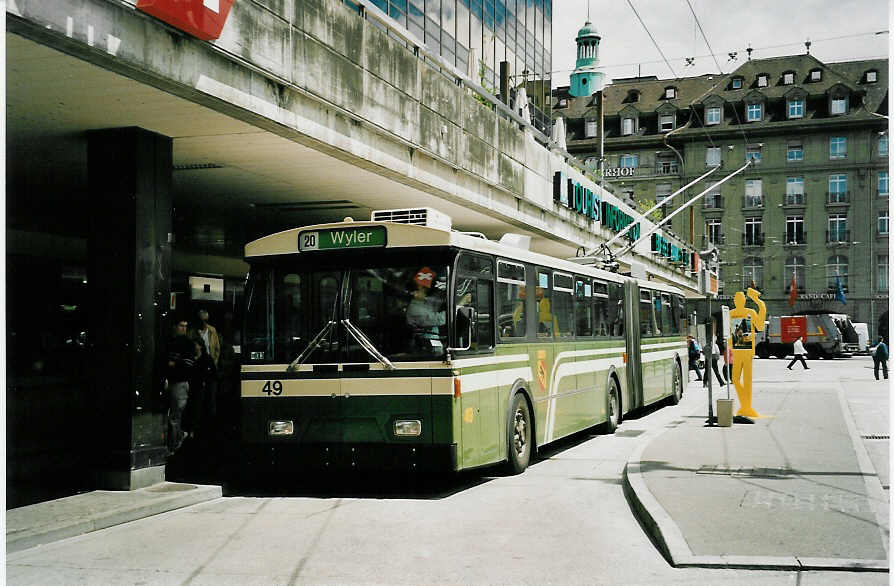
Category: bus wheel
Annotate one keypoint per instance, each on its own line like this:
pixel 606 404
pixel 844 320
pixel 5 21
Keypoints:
pixel 677 385
pixel 613 407
pixel 519 435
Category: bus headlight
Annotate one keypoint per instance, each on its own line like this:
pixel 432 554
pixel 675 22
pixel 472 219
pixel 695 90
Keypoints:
pixel 281 427
pixel 408 427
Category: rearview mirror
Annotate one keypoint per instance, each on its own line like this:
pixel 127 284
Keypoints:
pixel 463 326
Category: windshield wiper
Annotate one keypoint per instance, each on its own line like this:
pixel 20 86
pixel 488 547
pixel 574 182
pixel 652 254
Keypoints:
pixel 314 344
pixel 366 344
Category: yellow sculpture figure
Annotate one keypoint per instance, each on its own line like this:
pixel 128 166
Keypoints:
pixel 745 322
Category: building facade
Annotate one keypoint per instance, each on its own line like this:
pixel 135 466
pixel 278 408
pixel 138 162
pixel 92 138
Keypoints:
pixel 811 209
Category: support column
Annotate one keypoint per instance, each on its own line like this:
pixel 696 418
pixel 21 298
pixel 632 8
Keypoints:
pixel 128 277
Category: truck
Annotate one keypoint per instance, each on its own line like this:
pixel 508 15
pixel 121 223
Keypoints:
pixel 862 330
pixel 822 335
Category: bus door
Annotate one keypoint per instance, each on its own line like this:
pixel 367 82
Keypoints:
pixel 632 339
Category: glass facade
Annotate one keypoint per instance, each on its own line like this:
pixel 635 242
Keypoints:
pixel 516 31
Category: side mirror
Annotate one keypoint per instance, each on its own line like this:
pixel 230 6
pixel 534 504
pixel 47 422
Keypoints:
pixel 463 322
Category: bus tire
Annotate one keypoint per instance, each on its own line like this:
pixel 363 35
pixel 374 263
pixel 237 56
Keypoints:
pixel 518 435
pixel 677 385
pixel 613 406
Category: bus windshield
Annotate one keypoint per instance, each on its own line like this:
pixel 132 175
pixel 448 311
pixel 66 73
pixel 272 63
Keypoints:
pixel 397 299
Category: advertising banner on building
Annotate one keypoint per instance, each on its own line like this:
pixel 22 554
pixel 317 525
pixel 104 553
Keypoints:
pixel 791 328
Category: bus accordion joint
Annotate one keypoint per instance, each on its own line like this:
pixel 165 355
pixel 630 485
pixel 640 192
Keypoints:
pixel 457 388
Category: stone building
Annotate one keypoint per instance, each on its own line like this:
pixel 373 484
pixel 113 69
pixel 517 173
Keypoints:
pixel 813 206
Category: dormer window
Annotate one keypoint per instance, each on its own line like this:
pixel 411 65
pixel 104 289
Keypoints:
pixel 816 75
pixel 796 108
pixel 763 80
pixel 713 115
pixel 670 93
pixel 591 128
pixel 838 105
pixel 788 78
pixel 871 76
pixel 736 83
pixel 755 112
pixel 627 126
pixel 632 97
pixel 562 103
pixel 666 122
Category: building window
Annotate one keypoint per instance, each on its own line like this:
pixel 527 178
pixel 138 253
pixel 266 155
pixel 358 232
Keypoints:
pixel 754 197
pixel 794 267
pixel 883 184
pixel 737 83
pixel 794 230
pixel 712 198
pixel 714 230
pixel 794 191
pixel 883 222
pixel 562 103
pixel 836 269
pixel 816 75
pixel 663 190
pixel 871 76
pixel 838 147
pixel 713 116
pixel 754 233
pixel 712 156
pixel 883 145
pixel 629 161
pixel 670 93
pixel 837 228
pixel 753 272
pixel 762 80
pixel 666 164
pixel 754 112
pixel 753 153
pixel 839 105
pixel 591 129
pixel 627 126
pixel 796 108
pixel 666 122
pixel 838 188
pixel 788 78
pixel 882 271
pixel 632 97
pixel 795 152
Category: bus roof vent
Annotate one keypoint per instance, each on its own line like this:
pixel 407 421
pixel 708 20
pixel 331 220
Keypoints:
pixel 516 241
pixel 429 217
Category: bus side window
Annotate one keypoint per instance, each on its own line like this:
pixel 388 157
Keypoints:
pixel 667 315
pixel 615 310
pixel 563 305
pixel 646 328
pixel 545 319
pixel 602 324
pixel 583 307
pixel 474 288
pixel 511 296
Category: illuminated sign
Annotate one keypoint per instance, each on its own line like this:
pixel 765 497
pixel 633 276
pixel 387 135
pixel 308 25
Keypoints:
pixel 575 196
pixel 203 19
pixel 666 248
pixel 341 238
pixel 619 172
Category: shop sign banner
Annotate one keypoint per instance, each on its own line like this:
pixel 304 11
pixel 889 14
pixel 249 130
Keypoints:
pixel 792 328
pixel 203 19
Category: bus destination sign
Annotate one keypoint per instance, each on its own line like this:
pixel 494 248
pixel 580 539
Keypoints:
pixel 342 238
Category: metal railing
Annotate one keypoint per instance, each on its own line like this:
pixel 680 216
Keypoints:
pixel 838 236
pixel 794 199
pixel 834 197
pixel 753 239
pixel 713 202
pixel 754 201
pixel 793 239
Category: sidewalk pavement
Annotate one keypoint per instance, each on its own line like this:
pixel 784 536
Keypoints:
pixel 66 517
pixel 794 490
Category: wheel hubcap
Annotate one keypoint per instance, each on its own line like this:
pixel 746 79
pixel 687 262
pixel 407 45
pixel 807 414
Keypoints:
pixel 520 439
pixel 613 407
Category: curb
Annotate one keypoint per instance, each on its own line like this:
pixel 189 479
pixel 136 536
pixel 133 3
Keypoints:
pixel 673 546
pixel 18 540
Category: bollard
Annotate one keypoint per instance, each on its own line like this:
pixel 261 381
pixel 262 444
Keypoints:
pixel 724 412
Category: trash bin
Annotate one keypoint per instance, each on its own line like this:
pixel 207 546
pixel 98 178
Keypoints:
pixel 724 412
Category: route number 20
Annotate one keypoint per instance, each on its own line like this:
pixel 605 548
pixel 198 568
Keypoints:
pixel 309 241
pixel 272 388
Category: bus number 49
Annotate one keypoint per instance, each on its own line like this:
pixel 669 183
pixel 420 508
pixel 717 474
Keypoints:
pixel 272 388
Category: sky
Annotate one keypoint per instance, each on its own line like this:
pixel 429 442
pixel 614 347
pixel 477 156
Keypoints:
pixel 771 27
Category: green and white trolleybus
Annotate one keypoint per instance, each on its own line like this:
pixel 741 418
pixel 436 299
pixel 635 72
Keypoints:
pixel 389 344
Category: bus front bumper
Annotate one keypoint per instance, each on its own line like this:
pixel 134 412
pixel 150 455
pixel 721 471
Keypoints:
pixel 350 456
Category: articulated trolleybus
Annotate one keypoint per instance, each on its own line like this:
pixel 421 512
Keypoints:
pixel 395 343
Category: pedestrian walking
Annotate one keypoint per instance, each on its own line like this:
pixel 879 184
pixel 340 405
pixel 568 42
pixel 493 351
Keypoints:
pixel 799 354
pixel 880 357
pixel 181 358
pixel 694 352
pixel 715 357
